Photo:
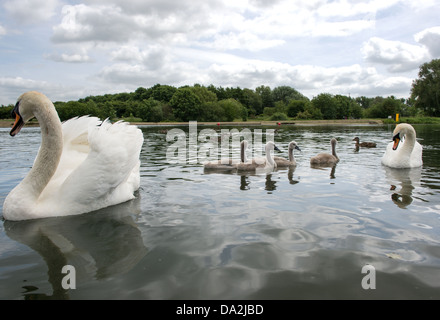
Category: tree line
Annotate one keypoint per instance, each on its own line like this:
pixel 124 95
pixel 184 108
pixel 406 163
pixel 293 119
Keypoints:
pixel 209 103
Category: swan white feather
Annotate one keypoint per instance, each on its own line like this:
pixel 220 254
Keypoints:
pixel 82 165
pixel 404 151
pixel 260 163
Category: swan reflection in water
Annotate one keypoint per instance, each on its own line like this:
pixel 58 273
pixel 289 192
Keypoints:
pixel 324 167
pixel 98 245
pixel 270 184
pixel 407 180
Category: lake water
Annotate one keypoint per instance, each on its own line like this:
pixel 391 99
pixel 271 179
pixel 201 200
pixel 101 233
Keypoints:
pixel 305 233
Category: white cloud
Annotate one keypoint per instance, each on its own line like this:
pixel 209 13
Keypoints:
pixel 239 41
pixel 431 39
pixel 69 58
pixel 397 55
pixel 2 31
pixel 83 23
pixel 335 46
pixel 31 11
pixel 344 8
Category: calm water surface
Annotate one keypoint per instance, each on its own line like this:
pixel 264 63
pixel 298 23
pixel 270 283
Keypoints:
pixel 290 234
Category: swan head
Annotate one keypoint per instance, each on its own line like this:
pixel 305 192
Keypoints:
pixel 333 141
pixel 25 109
pixel 271 145
pixel 399 132
pixel 293 145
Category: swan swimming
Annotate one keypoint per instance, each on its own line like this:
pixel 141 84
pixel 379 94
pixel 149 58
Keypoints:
pixel 266 163
pixel 326 158
pixel 231 164
pixel 282 162
pixel 83 164
pixel 403 154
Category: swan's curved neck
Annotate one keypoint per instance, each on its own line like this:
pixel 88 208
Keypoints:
pixel 243 152
pixel 410 140
pixel 269 159
pixel 291 157
pixel 334 150
pixel 49 154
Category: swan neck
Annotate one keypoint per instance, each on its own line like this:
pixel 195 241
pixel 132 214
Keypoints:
pixel 243 153
pixel 269 158
pixel 334 150
pixel 49 154
pixel 291 157
pixel 410 140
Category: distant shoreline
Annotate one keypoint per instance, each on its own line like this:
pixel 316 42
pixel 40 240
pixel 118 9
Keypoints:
pixel 7 123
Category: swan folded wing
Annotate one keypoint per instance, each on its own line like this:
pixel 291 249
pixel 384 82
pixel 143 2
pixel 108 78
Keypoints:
pixel 76 130
pixel 110 172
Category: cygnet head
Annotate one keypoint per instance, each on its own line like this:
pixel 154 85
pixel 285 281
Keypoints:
pixel 294 145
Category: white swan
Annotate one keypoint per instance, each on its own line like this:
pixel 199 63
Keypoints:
pixel 231 164
pixel 282 162
pixel 82 165
pixel 326 158
pixel 266 163
pixel 404 151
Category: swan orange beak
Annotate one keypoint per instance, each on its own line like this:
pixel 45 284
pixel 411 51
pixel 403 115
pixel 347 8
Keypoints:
pixel 18 124
pixel 396 140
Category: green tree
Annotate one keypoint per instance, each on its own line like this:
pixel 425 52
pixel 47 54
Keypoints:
pixel 364 102
pixel 327 104
pixel 355 110
pixel 295 106
pixel 212 111
pixel 150 110
pixel 186 104
pixel 286 93
pixel 252 101
pixel 426 89
pixel 266 96
pixel 233 109
pixel 163 93
pixel 203 93
pixel 141 94
pixel 5 111
pixel 384 107
pixel 310 112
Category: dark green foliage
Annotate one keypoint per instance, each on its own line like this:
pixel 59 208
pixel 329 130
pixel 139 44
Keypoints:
pixel 327 104
pixel 426 89
pixel 186 105
pixel 278 116
pixel 232 109
pixel 197 102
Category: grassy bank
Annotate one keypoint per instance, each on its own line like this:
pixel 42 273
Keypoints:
pixel 7 123
pixel 415 120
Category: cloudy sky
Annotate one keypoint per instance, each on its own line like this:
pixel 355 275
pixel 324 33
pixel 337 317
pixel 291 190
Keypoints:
pixel 70 49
